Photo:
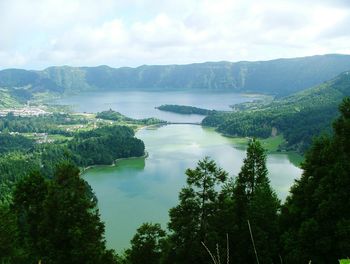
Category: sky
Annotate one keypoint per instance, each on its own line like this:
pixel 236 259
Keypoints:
pixel 35 34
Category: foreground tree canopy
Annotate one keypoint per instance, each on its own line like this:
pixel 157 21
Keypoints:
pixel 54 221
pixel 315 219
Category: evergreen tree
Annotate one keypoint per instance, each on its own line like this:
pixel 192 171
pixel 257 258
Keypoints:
pixel 146 245
pixel 315 218
pixel 250 198
pixel 190 220
pixel 28 204
pixel 59 220
pixel 253 171
pixel 10 250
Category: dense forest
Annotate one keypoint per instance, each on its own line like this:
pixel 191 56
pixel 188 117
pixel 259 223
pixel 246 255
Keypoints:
pixel 219 219
pixel 278 77
pixel 298 117
pixel 184 109
pixel 53 221
pixel 20 155
pixel 104 145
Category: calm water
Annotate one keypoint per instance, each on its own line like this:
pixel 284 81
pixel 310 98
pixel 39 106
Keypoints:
pixel 138 104
pixel 143 190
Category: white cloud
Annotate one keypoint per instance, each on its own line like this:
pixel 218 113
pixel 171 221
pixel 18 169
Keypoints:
pixel 37 34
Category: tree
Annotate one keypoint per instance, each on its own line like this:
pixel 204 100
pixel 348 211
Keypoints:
pixel 59 220
pixel 190 221
pixel 315 218
pixel 10 250
pixel 253 199
pixel 146 244
pixel 28 205
pixel 253 171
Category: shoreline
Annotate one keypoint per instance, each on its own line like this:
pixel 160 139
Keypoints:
pixel 115 163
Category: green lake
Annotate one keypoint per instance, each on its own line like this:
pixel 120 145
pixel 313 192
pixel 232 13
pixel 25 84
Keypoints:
pixel 143 190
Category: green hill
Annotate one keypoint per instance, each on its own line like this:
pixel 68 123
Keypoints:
pixel 279 77
pixel 298 117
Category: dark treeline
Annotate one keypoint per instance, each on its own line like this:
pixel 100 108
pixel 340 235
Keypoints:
pixel 217 217
pixel 9 143
pixel 101 146
pixel 39 124
pixel 104 145
pixel 53 221
pixel 185 109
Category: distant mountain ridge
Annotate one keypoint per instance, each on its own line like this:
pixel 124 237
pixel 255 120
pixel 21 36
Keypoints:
pixel 279 77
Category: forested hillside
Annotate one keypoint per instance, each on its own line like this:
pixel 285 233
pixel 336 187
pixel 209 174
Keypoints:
pixel 279 77
pixel 27 144
pixel 298 117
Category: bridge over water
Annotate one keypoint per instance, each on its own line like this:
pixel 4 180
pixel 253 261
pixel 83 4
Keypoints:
pixel 183 123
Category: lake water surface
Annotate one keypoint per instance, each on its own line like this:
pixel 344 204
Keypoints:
pixel 143 190
pixel 139 105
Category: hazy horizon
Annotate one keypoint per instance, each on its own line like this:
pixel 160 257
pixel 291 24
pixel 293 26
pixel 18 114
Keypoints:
pixel 170 64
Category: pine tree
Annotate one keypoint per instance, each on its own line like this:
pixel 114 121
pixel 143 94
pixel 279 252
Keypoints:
pixel 10 250
pixel 59 221
pixel 28 205
pixel 190 220
pixel 146 245
pixel 253 199
pixel 315 218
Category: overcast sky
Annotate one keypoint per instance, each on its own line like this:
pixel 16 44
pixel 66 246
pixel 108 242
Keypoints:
pixel 35 34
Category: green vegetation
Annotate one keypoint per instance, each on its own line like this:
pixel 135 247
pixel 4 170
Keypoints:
pixel 242 218
pixel 298 117
pixel 39 143
pixel 51 124
pixel 55 219
pixel 116 116
pixel 272 143
pixel 278 77
pixel 184 109
pixel 9 143
pixel 146 245
pixel 104 145
pixel 318 207
pixel 110 115
pixel 213 211
pixel 6 100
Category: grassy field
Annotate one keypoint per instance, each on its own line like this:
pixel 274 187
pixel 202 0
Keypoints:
pixel 271 145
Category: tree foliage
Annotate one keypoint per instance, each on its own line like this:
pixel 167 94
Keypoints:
pixel 57 220
pixel 315 218
pixel 190 221
pixel 298 117
pixel 146 245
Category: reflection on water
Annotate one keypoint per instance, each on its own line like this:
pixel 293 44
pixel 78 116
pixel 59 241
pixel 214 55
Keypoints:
pixel 143 190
